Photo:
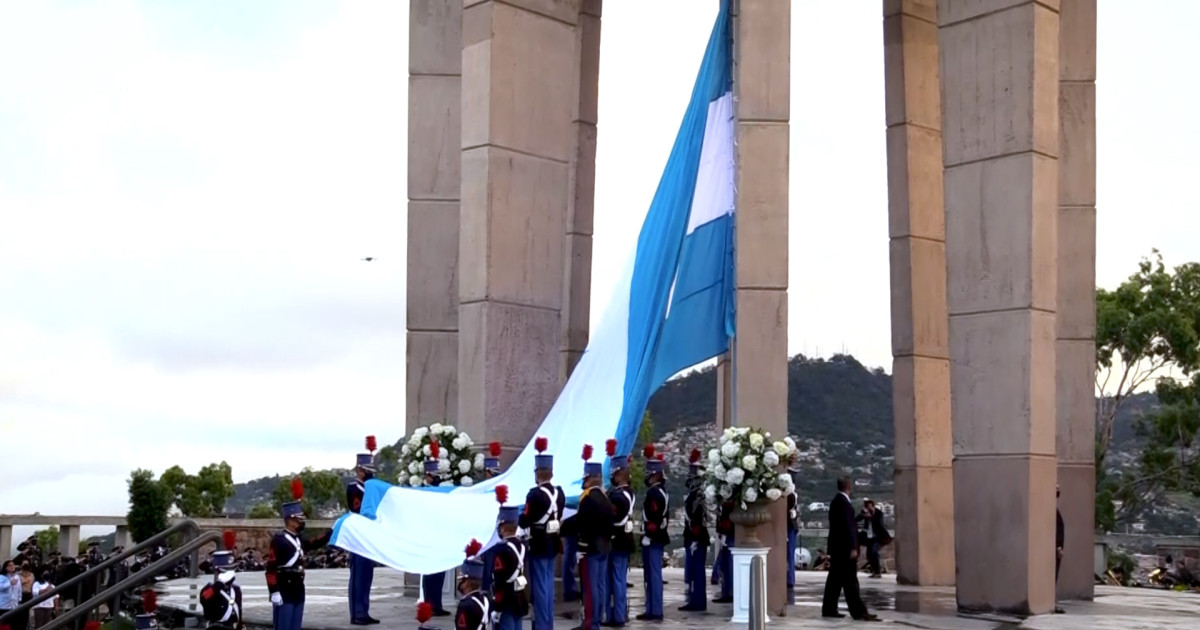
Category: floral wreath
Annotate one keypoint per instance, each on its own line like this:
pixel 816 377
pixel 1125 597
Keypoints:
pixel 746 467
pixel 458 463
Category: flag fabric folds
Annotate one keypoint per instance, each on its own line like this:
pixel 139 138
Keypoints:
pixel 672 308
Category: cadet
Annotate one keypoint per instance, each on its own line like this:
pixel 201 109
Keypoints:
pixel 491 468
pixel 542 517
pixel 221 599
pixel 145 621
pixel 793 533
pixel 362 570
pixel 616 614
pixel 285 565
pixel 508 590
pixel 432 585
pixel 654 537
pixel 475 608
pixel 594 540
pixel 695 536
pixel 725 558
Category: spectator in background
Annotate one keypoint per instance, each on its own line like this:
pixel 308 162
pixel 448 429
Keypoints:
pixel 10 587
pixel 44 612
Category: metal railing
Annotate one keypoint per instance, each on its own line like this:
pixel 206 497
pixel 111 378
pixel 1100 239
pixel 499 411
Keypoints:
pixel 77 582
pixel 137 579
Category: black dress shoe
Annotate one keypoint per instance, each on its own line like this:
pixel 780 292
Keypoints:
pixel 645 617
pixel 571 597
pixel 359 622
pixel 372 620
pixel 723 600
pixel 441 613
pixel 692 609
pixel 832 615
pixel 867 617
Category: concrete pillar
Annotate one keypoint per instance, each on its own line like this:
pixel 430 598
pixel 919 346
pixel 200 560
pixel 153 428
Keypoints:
pixel 6 542
pixel 920 336
pixel 724 409
pixel 1075 344
pixel 122 538
pixel 434 103
pixel 519 89
pixel 577 281
pixel 68 540
pixel 762 73
pixel 999 67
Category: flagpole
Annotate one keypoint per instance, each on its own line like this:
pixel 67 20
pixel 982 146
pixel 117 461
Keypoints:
pixel 734 6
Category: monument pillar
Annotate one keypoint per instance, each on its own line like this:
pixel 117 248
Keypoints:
pixel 434 100
pixel 521 121
pixel 6 541
pixel 999 70
pixel 762 84
pixel 68 540
pixel 1075 344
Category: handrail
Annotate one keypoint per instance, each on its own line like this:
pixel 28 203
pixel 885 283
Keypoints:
pixel 137 579
pixel 61 588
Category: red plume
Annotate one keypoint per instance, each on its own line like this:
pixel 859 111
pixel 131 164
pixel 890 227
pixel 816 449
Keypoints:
pixel 149 601
pixel 610 447
pixel 541 444
pixel 435 449
pixel 230 540
pixel 648 451
pixel 695 456
pixel 660 457
pixel 587 452
pixel 424 612
pixel 494 449
pixel 92 625
pixel 473 548
pixel 371 443
pixel 502 494
pixel 297 489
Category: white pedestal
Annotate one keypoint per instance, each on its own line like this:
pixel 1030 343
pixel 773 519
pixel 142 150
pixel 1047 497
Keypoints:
pixel 448 586
pixel 741 581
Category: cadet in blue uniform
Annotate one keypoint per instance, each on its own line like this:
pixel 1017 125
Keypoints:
pixel 594 540
pixel 542 517
pixel 145 621
pixel 570 557
pixel 615 614
pixel 432 585
pixel 695 537
pixel 725 559
pixel 508 590
pixel 793 534
pixel 491 468
pixel 475 608
pixel 285 564
pixel 654 536
pixel 362 570
pixel 221 600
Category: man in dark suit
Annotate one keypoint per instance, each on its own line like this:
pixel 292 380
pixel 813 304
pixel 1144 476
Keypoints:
pixel 843 557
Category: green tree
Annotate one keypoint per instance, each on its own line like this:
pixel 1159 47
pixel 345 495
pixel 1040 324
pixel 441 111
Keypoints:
pixel 637 466
pixel 203 494
pixel 324 493
pixel 47 539
pixel 263 510
pixel 1147 332
pixel 149 502
pixel 387 464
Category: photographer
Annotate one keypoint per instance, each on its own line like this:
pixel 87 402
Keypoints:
pixel 874 535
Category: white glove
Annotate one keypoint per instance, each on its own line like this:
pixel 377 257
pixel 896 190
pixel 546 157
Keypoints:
pixel 628 527
pixel 579 558
pixel 276 599
pixel 495 617
pixel 645 541
pixel 791 513
pixel 693 547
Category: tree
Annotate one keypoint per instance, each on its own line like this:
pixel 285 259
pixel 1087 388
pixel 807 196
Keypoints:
pixel 1147 332
pixel 263 510
pixel 149 502
pixel 387 464
pixel 47 539
pixel 203 494
pixel 324 493
pixel 637 467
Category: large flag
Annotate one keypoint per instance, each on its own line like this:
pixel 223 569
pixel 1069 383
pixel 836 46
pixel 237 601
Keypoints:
pixel 673 308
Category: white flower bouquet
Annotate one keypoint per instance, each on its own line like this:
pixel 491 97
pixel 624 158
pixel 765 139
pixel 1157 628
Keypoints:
pixel 746 466
pixel 458 463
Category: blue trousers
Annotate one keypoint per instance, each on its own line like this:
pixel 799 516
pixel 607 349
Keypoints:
pixel 362 574
pixel 652 556
pixel 432 585
pixel 509 621
pixel 791 557
pixel 541 582
pixel 570 548
pixel 618 592
pixel 726 562
pixel 489 559
pixel 693 566
pixel 288 616
pixel 716 570
pixel 594 575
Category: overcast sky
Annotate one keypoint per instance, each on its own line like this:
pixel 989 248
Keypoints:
pixel 186 189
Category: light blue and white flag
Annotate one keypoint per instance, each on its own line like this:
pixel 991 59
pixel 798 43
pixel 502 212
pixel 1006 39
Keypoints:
pixel 673 308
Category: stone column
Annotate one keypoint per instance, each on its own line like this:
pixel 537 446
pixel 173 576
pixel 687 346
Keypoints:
pixel 434 101
pixel 1000 145
pixel 724 409
pixel 519 91
pixel 6 542
pixel 920 344
pixel 68 540
pixel 577 281
pixel 121 538
pixel 1075 344
pixel 762 82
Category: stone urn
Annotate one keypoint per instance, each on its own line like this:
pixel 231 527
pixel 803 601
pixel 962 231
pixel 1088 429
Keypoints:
pixel 755 514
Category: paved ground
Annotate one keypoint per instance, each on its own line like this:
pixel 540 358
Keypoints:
pixel 912 607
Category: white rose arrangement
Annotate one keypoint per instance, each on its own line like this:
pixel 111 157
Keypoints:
pixel 745 467
pixel 458 463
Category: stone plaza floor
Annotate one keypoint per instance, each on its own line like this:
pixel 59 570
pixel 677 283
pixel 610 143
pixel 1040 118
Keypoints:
pixel 912 607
